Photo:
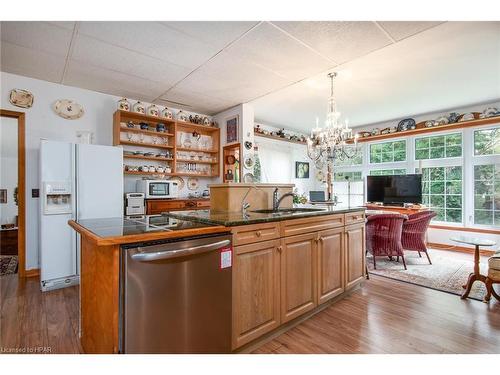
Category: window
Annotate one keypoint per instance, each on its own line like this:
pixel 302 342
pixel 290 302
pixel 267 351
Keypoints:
pixel 357 159
pixel 442 192
pixel 487 194
pixel 352 176
pixel 438 147
pixel 487 142
pixel 388 152
pixel 386 172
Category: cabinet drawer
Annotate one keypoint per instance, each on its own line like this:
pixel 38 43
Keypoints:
pixel 311 224
pixel 354 217
pixel 203 204
pixel 255 233
pixel 157 207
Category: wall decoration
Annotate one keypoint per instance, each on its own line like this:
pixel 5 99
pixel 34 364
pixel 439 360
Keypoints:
pixel 123 105
pixel 21 98
pixel 193 183
pixel 3 195
pixel 248 145
pixel 68 109
pixel 232 129
pixel 301 169
pixel 248 162
pixel 138 107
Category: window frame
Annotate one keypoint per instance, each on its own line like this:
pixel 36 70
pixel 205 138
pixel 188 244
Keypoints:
pixel 368 153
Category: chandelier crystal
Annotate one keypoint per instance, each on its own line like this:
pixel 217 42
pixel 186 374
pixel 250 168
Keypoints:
pixel 329 144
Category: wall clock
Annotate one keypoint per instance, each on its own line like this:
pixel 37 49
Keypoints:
pixel 68 109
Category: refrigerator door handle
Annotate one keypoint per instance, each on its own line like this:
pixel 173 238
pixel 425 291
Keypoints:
pixel 142 254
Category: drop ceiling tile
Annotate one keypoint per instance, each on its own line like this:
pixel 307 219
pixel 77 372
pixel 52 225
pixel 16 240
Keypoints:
pixel 218 34
pixel 195 101
pixel 269 47
pixel 31 63
pixel 110 82
pixel 92 51
pixel 41 36
pixel 340 41
pixel 403 29
pixel 227 77
pixel 152 39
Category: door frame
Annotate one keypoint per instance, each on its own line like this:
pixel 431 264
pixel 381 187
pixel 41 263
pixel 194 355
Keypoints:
pixel 21 187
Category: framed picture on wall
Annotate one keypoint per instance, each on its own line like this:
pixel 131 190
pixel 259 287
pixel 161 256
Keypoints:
pixel 301 169
pixel 232 129
pixel 3 195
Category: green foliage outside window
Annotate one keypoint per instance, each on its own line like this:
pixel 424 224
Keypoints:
pixel 487 142
pixel 487 194
pixel 438 147
pixel 353 176
pixel 357 159
pixel 386 172
pixel 388 152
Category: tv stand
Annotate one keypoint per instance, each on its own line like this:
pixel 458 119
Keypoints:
pixel 393 204
pixel 401 210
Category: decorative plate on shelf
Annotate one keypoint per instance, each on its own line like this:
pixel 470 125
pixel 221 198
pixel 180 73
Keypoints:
pixel 443 120
pixel 179 180
pixel 21 98
pixel 406 124
pixel 248 178
pixel 193 183
pixel 248 162
pixel 68 109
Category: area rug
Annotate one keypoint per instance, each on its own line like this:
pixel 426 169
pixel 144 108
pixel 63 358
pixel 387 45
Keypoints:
pixel 446 273
pixel 8 264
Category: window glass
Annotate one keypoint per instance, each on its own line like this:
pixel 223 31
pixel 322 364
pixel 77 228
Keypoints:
pixel 487 194
pixel 351 176
pixel 386 172
pixel 438 147
pixel 357 159
pixel 388 152
pixel 442 192
pixel 487 142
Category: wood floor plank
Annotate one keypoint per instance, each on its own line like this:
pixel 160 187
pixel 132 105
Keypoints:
pixel 384 316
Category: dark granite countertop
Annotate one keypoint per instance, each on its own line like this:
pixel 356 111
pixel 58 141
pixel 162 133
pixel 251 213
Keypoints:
pixel 229 219
pixel 131 229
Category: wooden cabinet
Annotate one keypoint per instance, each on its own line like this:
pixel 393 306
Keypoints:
pixel 246 234
pixel 255 291
pixel 354 254
pixel 330 268
pixel 157 206
pixel 308 225
pixel 298 275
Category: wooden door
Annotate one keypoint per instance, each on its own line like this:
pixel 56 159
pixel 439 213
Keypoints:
pixel 255 290
pixel 298 275
pixel 354 254
pixel 330 264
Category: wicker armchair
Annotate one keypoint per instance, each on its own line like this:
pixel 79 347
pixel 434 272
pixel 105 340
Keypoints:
pixel 383 236
pixel 414 230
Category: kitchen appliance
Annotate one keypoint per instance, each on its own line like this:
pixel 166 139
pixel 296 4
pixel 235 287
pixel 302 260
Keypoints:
pixel 78 181
pixel 158 189
pixel 134 204
pixel 176 296
pixel 394 190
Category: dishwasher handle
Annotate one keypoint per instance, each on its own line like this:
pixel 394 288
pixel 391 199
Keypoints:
pixel 141 255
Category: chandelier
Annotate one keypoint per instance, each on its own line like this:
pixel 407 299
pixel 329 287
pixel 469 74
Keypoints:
pixel 330 143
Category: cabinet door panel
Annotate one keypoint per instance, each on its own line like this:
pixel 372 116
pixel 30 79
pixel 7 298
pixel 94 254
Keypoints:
pixel 298 276
pixel 330 264
pixel 255 291
pixel 354 254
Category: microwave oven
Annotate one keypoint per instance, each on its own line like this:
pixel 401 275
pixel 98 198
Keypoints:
pixel 157 189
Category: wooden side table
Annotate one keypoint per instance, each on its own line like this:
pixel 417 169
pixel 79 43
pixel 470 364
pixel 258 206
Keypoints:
pixel 476 275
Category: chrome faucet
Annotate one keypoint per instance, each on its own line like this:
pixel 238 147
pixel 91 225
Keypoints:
pixel 277 199
pixel 245 205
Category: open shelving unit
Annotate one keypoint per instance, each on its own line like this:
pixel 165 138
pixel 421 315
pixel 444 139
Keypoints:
pixel 170 141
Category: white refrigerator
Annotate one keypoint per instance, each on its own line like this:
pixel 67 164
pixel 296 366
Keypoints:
pixel 77 181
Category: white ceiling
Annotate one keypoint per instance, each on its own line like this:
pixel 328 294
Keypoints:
pixel 212 66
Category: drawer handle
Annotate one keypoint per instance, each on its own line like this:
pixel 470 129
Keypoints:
pixel 258 233
pixel 321 239
pixel 280 249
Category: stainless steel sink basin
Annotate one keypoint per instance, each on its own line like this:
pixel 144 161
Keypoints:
pixel 287 210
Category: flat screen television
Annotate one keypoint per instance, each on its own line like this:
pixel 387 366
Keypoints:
pixel 396 190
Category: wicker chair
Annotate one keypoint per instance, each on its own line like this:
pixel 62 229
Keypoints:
pixel 414 230
pixel 383 236
pixel 493 276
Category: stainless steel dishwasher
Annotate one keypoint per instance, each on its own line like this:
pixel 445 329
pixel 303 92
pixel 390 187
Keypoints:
pixel 176 296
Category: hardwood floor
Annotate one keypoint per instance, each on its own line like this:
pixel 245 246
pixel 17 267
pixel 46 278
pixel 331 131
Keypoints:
pixel 384 316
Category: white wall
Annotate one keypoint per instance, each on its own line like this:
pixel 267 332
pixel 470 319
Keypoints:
pixel 42 122
pixel 8 168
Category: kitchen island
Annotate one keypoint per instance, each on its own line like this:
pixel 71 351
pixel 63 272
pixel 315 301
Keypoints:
pixel 285 266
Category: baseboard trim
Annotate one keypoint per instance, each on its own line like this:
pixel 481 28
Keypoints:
pixel 460 249
pixel 34 272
